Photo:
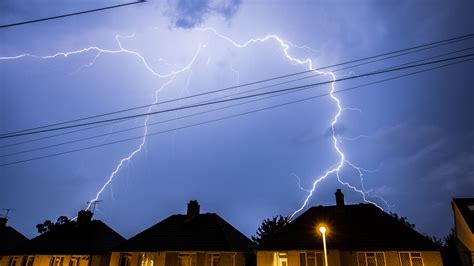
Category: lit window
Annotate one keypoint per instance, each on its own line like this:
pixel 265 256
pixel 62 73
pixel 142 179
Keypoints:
pixel 302 259
pixel 411 259
pixel 125 259
pixel 215 259
pixel 282 259
pixel 56 261
pixel 74 261
pixel 187 259
pixel 370 259
pixel 28 260
pixel 311 259
pixel 147 259
pixel 14 261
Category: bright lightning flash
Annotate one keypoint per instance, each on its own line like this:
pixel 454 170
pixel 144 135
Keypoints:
pixel 99 51
pixel 285 46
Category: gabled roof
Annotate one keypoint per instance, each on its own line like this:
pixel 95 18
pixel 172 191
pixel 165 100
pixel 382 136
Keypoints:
pixel 357 227
pixel 204 232
pixel 10 238
pixel 93 237
pixel 466 207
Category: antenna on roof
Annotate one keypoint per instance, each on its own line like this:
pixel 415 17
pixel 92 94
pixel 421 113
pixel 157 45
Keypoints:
pixel 7 211
pixel 94 204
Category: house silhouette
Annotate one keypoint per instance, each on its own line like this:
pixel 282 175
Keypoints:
pixel 360 234
pixel 85 242
pixel 463 209
pixel 9 237
pixel 187 239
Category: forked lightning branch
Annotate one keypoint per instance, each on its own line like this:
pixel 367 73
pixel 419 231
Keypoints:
pixel 169 77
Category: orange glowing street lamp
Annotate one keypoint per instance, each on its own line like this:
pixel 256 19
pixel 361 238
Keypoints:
pixel 322 229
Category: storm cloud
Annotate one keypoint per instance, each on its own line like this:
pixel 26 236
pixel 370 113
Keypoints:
pixel 192 13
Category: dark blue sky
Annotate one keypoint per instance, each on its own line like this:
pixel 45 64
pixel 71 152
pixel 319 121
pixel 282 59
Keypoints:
pixel 416 132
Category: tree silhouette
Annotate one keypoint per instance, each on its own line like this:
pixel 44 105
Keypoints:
pixel 449 251
pixel 47 225
pixel 269 227
pixel 41 228
pixel 403 220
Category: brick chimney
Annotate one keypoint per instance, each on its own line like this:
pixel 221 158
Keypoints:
pixel 339 201
pixel 193 209
pixel 84 216
pixel 3 222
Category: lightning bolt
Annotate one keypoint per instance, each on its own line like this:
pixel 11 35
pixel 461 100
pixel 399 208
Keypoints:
pixel 299 183
pixel 308 62
pixel 355 138
pixel 285 46
pixel 130 156
pixel 99 51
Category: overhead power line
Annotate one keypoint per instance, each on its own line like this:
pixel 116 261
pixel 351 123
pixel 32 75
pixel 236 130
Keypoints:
pixel 68 15
pixel 222 97
pixel 417 48
pixel 236 98
pixel 199 113
pixel 233 116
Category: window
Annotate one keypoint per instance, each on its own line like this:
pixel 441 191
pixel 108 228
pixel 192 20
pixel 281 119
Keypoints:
pixel 370 259
pixel 14 261
pixel 302 259
pixel 215 258
pixel 311 259
pixel 411 259
pixel 187 259
pixel 28 260
pixel 147 259
pixel 74 261
pixel 282 259
pixel 125 259
pixel 56 261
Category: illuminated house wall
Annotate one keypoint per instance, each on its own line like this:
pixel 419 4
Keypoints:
pixel 55 260
pixel 191 239
pixel 197 258
pixel 463 210
pixel 84 242
pixel 358 235
pixel 347 258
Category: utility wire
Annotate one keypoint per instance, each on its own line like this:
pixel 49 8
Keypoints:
pixel 69 15
pixel 222 97
pixel 236 98
pixel 233 116
pixel 426 46
pixel 200 113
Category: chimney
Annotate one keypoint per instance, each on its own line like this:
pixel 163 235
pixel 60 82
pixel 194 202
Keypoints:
pixel 339 201
pixel 3 222
pixel 83 217
pixel 193 209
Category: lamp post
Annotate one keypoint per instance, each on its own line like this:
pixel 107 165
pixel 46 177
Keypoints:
pixel 322 230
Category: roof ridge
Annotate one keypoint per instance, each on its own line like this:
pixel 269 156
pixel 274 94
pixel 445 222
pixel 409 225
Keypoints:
pixel 221 224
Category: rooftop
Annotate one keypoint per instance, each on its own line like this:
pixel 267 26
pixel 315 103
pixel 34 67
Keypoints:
pixel 85 237
pixel 466 207
pixel 9 237
pixel 350 227
pixel 189 232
